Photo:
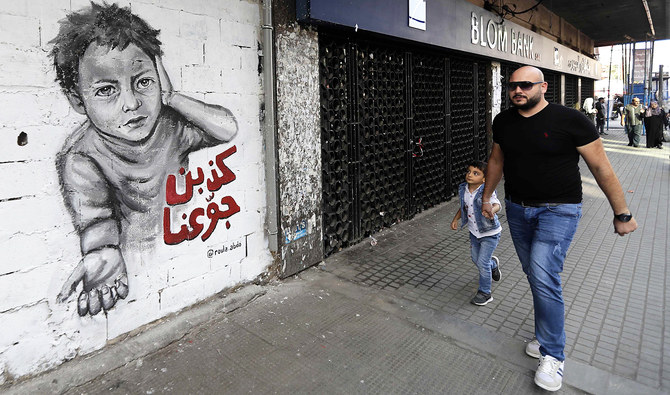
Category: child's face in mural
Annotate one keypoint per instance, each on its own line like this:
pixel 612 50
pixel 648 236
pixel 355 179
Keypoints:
pixel 120 91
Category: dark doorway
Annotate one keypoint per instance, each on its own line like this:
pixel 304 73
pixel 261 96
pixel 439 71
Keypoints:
pixel 398 126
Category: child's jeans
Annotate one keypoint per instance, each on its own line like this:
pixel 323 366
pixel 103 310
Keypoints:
pixel 481 251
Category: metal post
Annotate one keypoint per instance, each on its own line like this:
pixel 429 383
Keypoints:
pixel 625 51
pixel 660 85
pixel 651 69
pixel 631 91
pixel 645 87
pixel 609 83
pixel 624 71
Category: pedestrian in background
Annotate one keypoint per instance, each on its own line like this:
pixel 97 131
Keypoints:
pixel 484 232
pixel 588 109
pixel 617 107
pixel 631 118
pixel 654 118
pixel 537 146
pixel 601 115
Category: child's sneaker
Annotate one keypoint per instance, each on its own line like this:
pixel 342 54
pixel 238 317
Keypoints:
pixel 481 299
pixel 495 273
pixel 533 349
pixel 549 374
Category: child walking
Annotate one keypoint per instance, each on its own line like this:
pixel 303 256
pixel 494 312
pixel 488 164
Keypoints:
pixel 484 232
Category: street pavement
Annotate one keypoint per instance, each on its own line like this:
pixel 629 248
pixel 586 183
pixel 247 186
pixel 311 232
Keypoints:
pixel 392 315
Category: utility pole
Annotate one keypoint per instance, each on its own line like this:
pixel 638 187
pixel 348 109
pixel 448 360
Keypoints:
pixel 609 83
pixel 660 86
pixel 645 87
pixel 631 59
pixel 651 69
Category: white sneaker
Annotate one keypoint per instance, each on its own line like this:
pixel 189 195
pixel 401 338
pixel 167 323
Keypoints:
pixel 533 349
pixel 549 374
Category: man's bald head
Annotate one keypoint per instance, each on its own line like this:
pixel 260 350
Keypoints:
pixel 526 89
pixel 527 73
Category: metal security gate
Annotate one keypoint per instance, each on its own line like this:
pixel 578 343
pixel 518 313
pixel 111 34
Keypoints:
pixel 398 127
pixel 587 89
pixel 553 94
pixel 379 123
pixel 430 127
pixel 337 145
pixel 464 118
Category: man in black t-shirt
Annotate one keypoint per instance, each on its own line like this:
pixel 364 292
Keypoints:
pixel 537 146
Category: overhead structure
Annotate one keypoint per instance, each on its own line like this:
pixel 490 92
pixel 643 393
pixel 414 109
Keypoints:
pixel 615 22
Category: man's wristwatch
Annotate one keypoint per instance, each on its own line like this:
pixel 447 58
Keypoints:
pixel 624 217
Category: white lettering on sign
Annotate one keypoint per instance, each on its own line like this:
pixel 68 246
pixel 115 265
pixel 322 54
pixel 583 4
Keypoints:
pixel 491 32
pixel 502 38
pixel 474 29
pixel 488 33
pixel 522 45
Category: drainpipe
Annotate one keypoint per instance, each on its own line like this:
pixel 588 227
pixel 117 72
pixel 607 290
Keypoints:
pixel 269 128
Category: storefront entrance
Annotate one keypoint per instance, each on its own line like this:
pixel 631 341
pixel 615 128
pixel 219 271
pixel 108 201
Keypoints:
pixel 399 124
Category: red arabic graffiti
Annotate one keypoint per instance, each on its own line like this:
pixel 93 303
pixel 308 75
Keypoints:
pixel 213 213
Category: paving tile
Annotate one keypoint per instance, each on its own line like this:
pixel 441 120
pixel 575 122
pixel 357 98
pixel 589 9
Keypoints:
pixel 608 281
pixel 652 382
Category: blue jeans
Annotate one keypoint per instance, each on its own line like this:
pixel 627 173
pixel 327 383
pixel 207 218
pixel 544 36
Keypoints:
pixel 541 237
pixel 481 251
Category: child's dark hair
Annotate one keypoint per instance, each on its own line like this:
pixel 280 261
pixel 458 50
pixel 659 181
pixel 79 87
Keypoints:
pixel 478 164
pixel 106 25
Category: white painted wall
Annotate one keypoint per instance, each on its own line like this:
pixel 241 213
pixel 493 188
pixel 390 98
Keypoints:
pixel 211 53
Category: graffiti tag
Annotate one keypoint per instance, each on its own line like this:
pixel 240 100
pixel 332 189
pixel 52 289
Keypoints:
pixel 213 212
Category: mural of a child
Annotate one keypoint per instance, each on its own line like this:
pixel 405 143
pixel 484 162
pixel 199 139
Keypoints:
pixel 138 130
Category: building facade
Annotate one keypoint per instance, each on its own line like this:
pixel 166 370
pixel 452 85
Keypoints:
pixel 345 117
pixel 156 224
pixel 407 93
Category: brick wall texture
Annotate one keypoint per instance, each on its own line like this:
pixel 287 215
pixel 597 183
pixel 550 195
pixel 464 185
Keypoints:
pixel 212 54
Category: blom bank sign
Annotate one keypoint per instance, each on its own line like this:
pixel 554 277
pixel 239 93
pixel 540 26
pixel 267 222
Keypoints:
pixel 492 34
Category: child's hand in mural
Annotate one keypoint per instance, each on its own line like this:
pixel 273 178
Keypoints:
pixel 166 86
pixel 103 273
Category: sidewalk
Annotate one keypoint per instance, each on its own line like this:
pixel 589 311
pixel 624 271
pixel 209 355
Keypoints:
pixel 396 318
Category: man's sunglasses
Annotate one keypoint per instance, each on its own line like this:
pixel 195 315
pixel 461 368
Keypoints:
pixel 524 85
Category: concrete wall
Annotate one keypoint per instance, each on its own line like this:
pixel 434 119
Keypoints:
pixel 211 54
pixel 299 146
pixel 496 89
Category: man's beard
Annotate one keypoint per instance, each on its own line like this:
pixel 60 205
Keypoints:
pixel 531 101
